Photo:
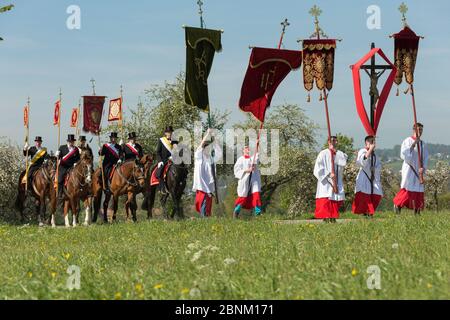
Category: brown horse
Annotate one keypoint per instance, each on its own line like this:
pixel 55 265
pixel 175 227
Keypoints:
pixel 176 183
pixel 41 189
pixel 128 178
pixel 78 188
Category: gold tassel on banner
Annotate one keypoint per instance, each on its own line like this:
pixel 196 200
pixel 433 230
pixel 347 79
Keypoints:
pixel 309 98
pixel 321 97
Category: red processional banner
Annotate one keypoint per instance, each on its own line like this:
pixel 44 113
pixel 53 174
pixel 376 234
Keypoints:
pixel 406 48
pixel 57 113
pixel 92 114
pixel 26 118
pixel 266 70
pixel 74 118
pixel 115 110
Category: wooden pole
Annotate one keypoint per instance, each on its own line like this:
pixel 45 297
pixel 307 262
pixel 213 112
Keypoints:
pixel 121 113
pixel 59 141
pixel 419 151
pixel 27 139
pixel 333 171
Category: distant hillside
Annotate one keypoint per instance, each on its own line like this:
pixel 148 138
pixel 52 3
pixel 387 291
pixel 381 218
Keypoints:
pixel 436 151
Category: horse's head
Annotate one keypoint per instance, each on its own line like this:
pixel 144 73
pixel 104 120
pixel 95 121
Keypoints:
pixel 179 174
pixel 50 164
pixel 139 173
pixel 147 161
pixel 87 161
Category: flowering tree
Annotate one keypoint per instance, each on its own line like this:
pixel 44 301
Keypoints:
pixel 4 9
pixel 10 166
pixel 437 181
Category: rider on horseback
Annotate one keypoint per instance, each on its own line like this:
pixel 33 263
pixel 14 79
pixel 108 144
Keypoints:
pixel 68 156
pixel 163 155
pixel 132 150
pixel 38 154
pixel 111 156
pixel 82 144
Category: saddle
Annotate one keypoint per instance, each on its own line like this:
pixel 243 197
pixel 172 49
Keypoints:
pixel 154 180
pixel 24 180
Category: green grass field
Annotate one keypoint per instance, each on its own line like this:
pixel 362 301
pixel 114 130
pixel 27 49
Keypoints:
pixel 227 259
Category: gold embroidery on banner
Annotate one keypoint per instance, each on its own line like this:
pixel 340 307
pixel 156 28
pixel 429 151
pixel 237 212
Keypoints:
pixel 318 66
pixel 405 61
pixel 266 78
pixel 201 68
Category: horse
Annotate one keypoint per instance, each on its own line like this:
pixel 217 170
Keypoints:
pixel 78 188
pixel 128 178
pixel 41 189
pixel 176 177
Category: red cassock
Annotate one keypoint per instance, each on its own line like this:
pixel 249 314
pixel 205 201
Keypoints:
pixel 365 203
pixel 250 202
pixel 266 70
pixel 410 199
pixel 327 209
pixel 200 197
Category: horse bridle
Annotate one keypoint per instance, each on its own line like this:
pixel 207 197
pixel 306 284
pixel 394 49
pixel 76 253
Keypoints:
pixel 134 182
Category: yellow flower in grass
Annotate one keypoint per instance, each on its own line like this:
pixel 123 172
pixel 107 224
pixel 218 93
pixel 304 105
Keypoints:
pixel 30 274
pixel 138 287
pixel 355 272
pixel 53 274
pixel 158 286
pixel 185 291
pixel 66 256
pixel 429 285
pixel 118 296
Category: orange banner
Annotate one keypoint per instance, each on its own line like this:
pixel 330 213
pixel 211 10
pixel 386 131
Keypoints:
pixel 57 113
pixel 74 118
pixel 26 117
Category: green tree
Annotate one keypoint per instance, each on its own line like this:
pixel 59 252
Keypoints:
pixel 4 9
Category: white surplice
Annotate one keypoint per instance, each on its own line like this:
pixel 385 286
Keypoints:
pixel 203 174
pixel 363 183
pixel 410 167
pixel 243 184
pixel 322 171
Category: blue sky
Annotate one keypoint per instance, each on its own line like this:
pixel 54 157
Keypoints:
pixel 139 43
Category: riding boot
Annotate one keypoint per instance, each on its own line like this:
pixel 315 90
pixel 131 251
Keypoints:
pixel 60 193
pixel 162 186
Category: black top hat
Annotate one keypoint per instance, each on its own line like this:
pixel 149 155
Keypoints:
pixel 38 139
pixel 71 138
pixel 82 138
pixel 168 129
pixel 113 135
pixel 132 135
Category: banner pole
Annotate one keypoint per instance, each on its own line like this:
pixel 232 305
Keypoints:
pixel 59 141
pixel 27 139
pixel 121 112
pixel 419 151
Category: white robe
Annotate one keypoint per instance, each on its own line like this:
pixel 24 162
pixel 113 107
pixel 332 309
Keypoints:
pixel 322 171
pixel 410 181
pixel 363 183
pixel 203 175
pixel 243 184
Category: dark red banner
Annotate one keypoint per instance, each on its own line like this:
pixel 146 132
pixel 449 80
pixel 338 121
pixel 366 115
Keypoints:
pixel 92 115
pixel 266 70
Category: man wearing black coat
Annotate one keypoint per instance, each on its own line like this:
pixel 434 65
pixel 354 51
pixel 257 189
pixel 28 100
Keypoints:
pixel 111 153
pixel 38 154
pixel 68 156
pixel 164 154
pixel 132 150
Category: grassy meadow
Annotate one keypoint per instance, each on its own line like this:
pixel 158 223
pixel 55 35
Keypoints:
pixel 220 258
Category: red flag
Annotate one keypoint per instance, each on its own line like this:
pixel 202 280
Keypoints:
pixel 266 70
pixel 92 114
pixel 57 113
pixel 115 110
pixel 26 116
pixel 406 48
pixel 383 96
pixel 74 118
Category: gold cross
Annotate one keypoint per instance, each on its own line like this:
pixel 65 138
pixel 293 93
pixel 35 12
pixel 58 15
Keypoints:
pixel 318 32
pixel 403 10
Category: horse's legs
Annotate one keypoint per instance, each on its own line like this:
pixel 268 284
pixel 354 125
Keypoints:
pixel 97 200
pixel 115 206
pixel 150 202
pixel 127 206
pixel 163 199
pixel 87 208
pixel 66 213
pixel 42 210
pixel 75 204
pixel 105 206
pixel 52 198
pixel 20 200
pixel 133 207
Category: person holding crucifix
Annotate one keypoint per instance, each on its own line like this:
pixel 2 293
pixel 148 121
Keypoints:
pixel 415 162
pixel 368 189
pixel 330 187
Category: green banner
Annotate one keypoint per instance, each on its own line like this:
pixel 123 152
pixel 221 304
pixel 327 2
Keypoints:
pixel 201 45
